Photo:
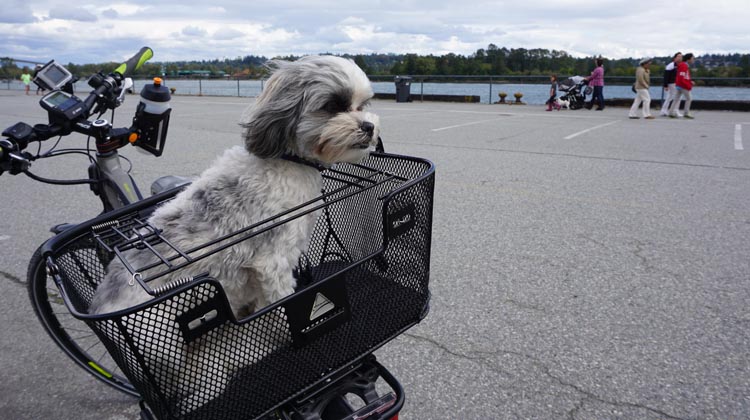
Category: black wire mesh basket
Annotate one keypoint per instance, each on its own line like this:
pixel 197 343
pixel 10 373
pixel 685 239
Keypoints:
pixel 363 281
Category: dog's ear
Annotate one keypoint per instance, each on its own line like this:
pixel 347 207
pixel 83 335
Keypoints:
pixel 271 125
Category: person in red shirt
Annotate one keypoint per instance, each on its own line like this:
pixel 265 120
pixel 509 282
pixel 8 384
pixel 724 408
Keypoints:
pixel 684 86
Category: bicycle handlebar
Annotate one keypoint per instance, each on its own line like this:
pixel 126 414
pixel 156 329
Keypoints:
pixel 105 87
pixel 104 94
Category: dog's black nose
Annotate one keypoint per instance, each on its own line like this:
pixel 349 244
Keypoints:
pixel 368 127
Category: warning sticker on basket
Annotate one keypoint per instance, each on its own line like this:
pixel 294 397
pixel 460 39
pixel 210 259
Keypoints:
pixel 318 310
pixel 321 306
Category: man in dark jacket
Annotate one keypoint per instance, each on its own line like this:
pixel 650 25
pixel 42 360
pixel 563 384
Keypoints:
pixel 670 74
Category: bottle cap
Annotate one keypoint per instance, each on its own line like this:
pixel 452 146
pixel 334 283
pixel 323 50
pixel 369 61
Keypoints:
pixel 156 92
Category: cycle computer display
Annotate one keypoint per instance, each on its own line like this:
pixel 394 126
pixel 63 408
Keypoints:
pixel 52 76
pixel 62 106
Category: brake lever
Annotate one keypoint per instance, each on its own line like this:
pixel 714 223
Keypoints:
pixel 126 85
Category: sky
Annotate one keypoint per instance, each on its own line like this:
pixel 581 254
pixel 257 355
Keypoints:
pixel 95 31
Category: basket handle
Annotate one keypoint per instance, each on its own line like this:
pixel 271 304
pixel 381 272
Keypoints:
pixel 202 319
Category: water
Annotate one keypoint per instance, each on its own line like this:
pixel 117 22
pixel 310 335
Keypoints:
pixel 538 94
pixel 532 93
pixel 216 87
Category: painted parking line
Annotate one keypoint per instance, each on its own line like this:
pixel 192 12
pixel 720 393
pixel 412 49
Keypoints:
pixel 738 137
pixel 465 124
pixel 596 127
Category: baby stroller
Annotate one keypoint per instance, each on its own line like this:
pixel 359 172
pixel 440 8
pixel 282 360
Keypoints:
pixel 574 89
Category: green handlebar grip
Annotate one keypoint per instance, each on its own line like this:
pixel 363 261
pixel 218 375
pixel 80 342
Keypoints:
pixel 135 62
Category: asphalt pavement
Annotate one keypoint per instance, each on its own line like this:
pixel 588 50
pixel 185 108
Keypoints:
pixel 584 265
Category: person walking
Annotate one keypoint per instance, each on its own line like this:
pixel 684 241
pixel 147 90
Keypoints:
pixel 670 73
pixel 26 79
pixel 684 87
pixel 551 103
pixel 642 82
pixel 596 80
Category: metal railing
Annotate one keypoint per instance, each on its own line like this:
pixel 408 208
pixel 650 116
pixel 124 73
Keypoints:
pixel 421 85
pixel 497 81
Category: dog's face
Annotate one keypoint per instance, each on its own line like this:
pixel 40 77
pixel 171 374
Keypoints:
pixel 315 108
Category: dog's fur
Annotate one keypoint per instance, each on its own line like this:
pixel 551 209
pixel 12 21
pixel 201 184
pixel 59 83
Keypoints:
pixel 563 103
pixel 312 108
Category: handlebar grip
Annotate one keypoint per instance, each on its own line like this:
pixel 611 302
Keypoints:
pixel 135 62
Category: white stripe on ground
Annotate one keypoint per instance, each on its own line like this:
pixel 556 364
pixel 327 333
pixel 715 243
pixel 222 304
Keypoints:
pixel 464 125
pixel 589 129
pixel 738 137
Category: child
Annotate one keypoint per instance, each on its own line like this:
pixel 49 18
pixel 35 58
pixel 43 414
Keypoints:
pixel 26 79
pixel 552 94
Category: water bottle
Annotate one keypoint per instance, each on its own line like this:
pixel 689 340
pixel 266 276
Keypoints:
pixel 155 97
pixel 152 117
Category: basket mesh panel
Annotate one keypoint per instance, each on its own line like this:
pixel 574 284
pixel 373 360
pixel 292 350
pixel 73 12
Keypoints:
pixel 243 370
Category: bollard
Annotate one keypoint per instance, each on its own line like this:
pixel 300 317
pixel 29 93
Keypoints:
pixel 489 98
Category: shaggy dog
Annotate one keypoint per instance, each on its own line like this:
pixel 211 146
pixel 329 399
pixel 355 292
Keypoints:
pixel 311 109
pixel 561 103
pixel 310 114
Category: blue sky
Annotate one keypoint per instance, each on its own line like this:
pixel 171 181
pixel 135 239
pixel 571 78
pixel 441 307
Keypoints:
pixel 96 31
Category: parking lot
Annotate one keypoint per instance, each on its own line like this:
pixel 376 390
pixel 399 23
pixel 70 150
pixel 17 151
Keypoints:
pixel 584 265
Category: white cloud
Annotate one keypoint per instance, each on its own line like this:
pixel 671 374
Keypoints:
pixel 130 9
pixel 110 13
pixel 224 34
pixel 16 11
pixel 71 13
pixel 194 31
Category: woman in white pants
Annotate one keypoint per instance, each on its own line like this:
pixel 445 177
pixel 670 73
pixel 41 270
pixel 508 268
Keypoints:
pixel 670 74
pixel 642 82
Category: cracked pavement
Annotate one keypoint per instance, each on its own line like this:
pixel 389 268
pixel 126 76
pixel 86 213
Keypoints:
pixel 601 277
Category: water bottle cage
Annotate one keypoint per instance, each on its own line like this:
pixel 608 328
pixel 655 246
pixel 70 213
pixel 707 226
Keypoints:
pixel 151 130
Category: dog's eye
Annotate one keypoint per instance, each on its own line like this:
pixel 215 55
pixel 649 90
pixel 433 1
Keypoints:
pixel 335 106
pixel 364 105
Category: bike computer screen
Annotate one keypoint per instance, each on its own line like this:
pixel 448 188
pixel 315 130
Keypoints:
pixel 62 106
pixel 53 75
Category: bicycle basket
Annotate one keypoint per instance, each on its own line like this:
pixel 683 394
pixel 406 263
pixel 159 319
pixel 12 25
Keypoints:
pixel 366 275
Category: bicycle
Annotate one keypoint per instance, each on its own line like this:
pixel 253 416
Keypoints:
pixel 64 270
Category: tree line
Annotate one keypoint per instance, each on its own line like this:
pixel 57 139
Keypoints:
pixel 492 60
pixel 539 61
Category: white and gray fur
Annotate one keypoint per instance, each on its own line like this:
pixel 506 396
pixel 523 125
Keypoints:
pixel 312 108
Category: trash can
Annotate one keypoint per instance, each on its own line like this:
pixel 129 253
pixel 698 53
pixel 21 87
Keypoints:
pixel 403 88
